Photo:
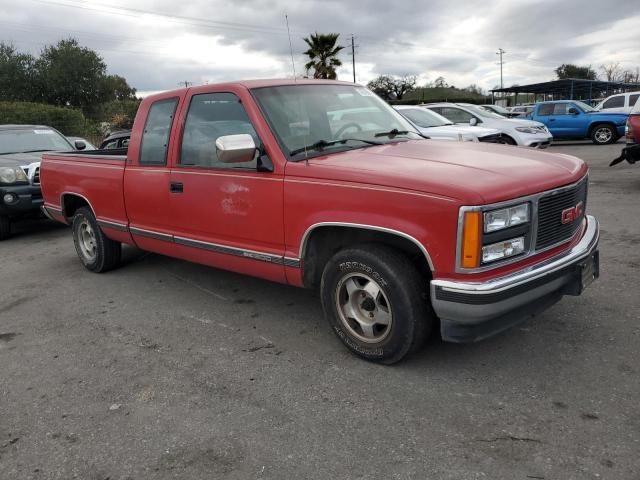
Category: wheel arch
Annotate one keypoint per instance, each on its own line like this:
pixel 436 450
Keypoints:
pixel 600 123
pixel 70 202
pixel 322 240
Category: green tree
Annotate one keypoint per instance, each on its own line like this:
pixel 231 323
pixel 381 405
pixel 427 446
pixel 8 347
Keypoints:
pixel 391 87
pixel 16 74
pixel 323 54
pixel 117 88
pixel 70 75
pixel 568 70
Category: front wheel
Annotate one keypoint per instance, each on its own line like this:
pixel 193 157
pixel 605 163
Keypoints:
pixel 603 135
pixel 96 251
pixel 5 228
pixel 507 140
pixel 376 302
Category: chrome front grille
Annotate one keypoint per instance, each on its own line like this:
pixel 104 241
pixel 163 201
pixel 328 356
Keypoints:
pixel 551 229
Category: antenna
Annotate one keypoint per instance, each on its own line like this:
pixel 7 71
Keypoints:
pixel 293 65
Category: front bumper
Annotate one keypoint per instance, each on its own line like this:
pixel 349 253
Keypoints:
pixel 28 201
pixel 472 311
pixel 540 142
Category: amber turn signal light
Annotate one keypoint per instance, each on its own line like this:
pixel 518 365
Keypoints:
pixel 471 239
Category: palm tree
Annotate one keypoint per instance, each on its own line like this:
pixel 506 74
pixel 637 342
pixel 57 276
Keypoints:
pixel 323 53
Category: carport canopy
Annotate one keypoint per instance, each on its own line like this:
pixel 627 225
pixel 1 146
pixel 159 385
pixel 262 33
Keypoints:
pixel 570 89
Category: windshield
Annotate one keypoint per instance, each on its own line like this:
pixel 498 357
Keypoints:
pixel 32 140
pixel 584 107
pixel 311 120
pixel 496 109
pixel 424 118
pixel 481 112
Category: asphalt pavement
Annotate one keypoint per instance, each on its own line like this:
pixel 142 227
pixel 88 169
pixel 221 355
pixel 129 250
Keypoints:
pixel 163 369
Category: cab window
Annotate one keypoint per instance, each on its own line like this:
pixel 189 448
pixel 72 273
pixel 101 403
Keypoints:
pixel 546 109
pixel 211 116
pixel 155 137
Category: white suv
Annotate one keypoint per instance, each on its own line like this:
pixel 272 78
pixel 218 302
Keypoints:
pixel 514 131
pixel 437 127
pixel 622 102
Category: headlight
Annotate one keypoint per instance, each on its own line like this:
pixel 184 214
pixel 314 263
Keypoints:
pixel 12 175
pixel 506 217
pixel 527 130
pixel 504 249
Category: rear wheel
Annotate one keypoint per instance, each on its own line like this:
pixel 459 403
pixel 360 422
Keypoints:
pixel 96 251
pixel 603 135
pixel 5 228
pixel 376 302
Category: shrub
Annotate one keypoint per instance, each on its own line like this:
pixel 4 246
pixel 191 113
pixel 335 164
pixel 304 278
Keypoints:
pixel 69 121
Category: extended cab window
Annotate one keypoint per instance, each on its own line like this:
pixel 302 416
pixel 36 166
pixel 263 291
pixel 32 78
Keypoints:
pixel 210 116
pixel 614 102
pixel 545 109
pixel 155 137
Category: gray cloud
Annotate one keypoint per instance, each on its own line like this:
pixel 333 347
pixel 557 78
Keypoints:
pixel 223 40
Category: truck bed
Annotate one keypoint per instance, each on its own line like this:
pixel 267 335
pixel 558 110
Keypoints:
pixel 95 176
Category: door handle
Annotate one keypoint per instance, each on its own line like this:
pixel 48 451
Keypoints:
pixel 552 119
pixel 176 187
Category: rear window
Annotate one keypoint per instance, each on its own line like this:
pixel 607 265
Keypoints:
pixel 633 99
pixel 155 138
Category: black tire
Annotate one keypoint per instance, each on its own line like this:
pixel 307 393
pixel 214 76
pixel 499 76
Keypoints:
pixel 402 299
pixel 104 253
pixel 5 228
pixel 507 140
pixel 604 135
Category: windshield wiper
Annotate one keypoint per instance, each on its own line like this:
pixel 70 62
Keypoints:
pixel 34 151
pixel 320 144
pixel 391 133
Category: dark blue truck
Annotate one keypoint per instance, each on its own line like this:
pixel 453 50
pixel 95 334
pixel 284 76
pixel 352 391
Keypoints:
pixel 575 119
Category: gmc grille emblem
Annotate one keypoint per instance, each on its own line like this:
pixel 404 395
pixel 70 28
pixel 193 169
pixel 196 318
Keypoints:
pixel 571 214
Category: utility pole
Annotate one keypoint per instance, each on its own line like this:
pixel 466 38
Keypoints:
pixel 353 57
pixel 501 52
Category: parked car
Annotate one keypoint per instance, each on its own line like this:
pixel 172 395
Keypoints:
pixel 116 140
pixel 21 148
pixel 437 127
pixel 498 109
pixel 521 111
pixel 514 131
pixel 575 119
pixel 80 143
pixel 632 127
pixel 394 230
pixel 620 103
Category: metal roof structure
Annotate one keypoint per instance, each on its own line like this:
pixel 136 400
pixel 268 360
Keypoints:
pixel 570 89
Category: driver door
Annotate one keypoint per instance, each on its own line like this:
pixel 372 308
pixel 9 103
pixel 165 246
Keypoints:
pixel 225 214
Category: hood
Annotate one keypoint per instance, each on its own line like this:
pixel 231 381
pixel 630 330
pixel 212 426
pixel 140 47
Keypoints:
pixel 454 130
pixel 521 122
pixel 20 159
pixel 473 172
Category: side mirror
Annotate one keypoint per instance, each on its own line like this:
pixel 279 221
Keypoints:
pixel 473 122
pixel 573 111
pixel 80 145
pixel 235 148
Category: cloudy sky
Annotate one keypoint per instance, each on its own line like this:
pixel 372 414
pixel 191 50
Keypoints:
pixel 156 44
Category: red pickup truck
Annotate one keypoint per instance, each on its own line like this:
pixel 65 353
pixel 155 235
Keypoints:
pixel 321 184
